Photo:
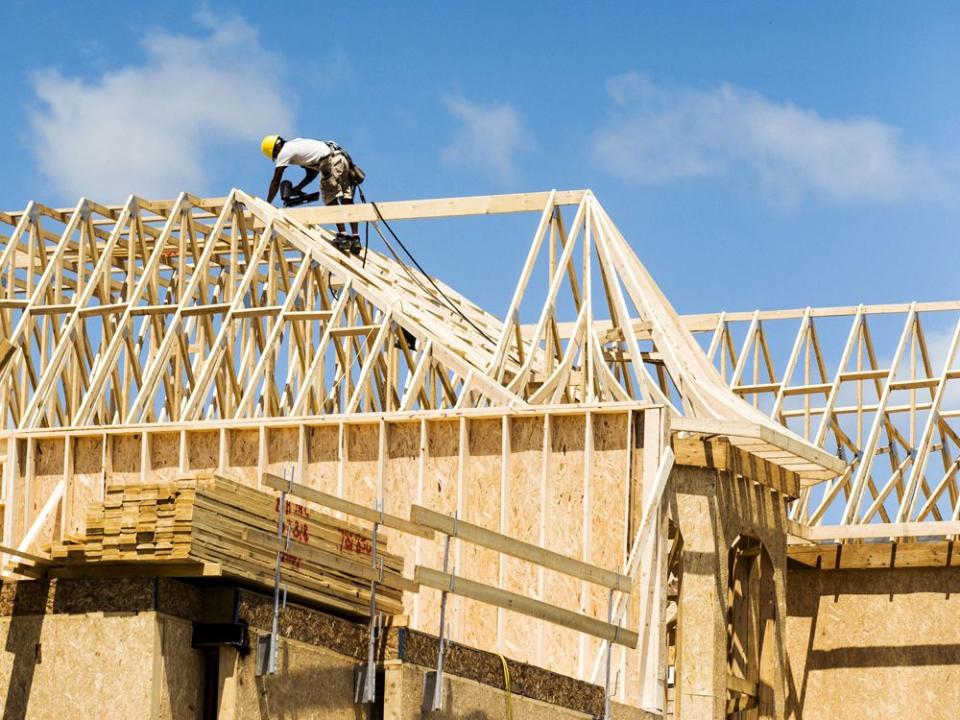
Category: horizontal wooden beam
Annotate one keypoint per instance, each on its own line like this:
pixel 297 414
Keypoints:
pixel 443 207
pixel 882 530
pixel 517 548
pixel 409 416
pixel 739 685
pixel 717 453
pixel 867 555
pixel 525 606
pixel 829 465
pixel 39 559
pixel 345 506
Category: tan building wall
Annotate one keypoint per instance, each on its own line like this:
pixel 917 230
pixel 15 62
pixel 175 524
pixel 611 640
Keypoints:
pixel 873 644
pixel 97 665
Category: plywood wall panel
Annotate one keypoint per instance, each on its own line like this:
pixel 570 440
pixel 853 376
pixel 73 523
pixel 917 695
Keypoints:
pixel 204 450
pixel 564 532
pixel 323 457
pixel 165 456
pixel 48 473
pixel 481 505
pixel 439 493
pixel 125 451
pixel 243 452
pixel 360 473
pixel 87 481
pixel 401 480
pixel 523 522
pixel 282 451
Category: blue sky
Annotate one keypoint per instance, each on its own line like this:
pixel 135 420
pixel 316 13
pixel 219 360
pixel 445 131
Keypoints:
pixel 755 154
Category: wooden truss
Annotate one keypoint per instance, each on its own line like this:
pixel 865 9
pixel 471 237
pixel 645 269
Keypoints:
pixel 878 386
pixel 232 309
pixel 229 309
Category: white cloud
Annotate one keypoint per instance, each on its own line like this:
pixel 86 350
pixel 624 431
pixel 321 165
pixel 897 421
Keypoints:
pixel 153 129
pixel 657 135
pixel 488 139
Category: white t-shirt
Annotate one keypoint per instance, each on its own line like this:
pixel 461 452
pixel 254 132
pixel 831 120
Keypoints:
pixel 303 152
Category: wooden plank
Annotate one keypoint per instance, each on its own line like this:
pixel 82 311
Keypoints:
pixel 139 569
pixel 443 207
pixel 862 556
pixel 346 506
pixel 517 548
pixel 883 530
pixel 739 685
pixel 525 606
pixel 25 555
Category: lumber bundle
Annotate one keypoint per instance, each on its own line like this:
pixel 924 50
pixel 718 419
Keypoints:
pixel 219 521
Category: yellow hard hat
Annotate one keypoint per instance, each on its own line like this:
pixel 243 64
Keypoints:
pixel 267 145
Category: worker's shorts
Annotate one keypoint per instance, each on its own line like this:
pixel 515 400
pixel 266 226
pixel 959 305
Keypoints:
pixel 336 180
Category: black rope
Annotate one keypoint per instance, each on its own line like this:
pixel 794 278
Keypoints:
pixel 419 267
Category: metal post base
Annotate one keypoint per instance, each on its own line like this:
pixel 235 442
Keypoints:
pixel 266 655
pixel 432 699
pixel 364 682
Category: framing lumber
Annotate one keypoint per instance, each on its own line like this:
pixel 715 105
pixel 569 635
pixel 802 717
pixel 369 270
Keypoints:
pixel 345 506
pixel 525 606
pixel 446 207
pixel 516 548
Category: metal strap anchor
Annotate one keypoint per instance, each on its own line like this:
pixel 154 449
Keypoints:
pixel 268 646
pixel 365 674
pixel 609 658
pixel 433 682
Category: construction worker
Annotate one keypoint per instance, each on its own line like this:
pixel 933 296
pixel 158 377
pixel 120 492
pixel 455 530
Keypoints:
pixel 338 176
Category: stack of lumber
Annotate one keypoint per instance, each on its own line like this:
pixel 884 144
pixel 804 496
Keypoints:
pixel 221 523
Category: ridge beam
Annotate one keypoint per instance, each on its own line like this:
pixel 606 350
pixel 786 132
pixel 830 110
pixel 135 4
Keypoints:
pixel 442 207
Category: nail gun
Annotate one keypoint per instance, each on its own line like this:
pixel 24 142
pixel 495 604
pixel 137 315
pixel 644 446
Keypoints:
pixel 291 198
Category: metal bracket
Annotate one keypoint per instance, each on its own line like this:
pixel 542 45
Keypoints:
pixel 268 646
pixel 433 682
pixel 365 674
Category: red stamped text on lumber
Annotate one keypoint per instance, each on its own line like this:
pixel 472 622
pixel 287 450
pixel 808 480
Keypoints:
pixel 293 508
pixel 351 542
pixel 299 531
pixel 288 559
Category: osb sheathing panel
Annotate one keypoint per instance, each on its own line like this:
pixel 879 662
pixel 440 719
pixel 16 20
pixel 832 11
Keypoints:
pixel 470 700
pixel 87 480
pixel 48 466
pixel 323 458
pixel 105 595
pixel 873 643
pixel 360 478
pixel 401 488
pixel 563 533
pixel 125 457
pixel 282 450
pixel 439 492
pixel 243 452
pixel 561 481
pixel 606 521
pixel 93 665
pixel 204 450
pixel 310 683
pixel 525 472
pixel 712 509
pixel 349 639
pixel 481 506
pixel 178 672
pixel 164 457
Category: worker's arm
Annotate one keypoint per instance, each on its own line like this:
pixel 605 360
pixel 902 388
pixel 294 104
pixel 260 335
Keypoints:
pixel 275 184
pixel 307 179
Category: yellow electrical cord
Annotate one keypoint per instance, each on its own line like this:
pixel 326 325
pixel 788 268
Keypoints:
pixel 506 682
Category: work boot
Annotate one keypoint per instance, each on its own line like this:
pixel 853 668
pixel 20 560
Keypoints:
pixel 342 243
pixel 355 245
